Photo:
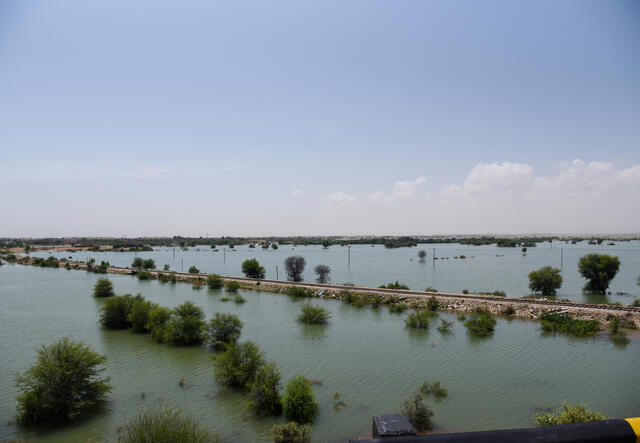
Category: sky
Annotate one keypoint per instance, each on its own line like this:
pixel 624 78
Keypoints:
pixel 363 117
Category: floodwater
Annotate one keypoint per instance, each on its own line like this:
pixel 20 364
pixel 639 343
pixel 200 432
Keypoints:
pixel 485 268
pixel 366 355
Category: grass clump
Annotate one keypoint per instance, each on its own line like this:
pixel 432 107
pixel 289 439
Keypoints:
pixel 239 299
pixel 481 324
pixel 565 324
pixel 222 330
pixel 291 432
pixel 567 414
pixel 164 426
pixel 418 413
pixel 224 299
pixel 418 319
pixel 103 288
pixel 445 326
pixel 298 401
pixel 298 292
pixel 62 385
pixel 433 304
pixel 434 389
pixel 311 314
pixel 238 364
pixel 232 286
pixel 397 308
pixel 214 281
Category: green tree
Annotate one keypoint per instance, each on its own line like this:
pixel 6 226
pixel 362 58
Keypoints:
pixel 214 281
pixel 137 263
pixel 567 414
pixel 115 311
pixel 238 364
pixel 546 280
pixel 103 288
pixel 298 401
pixel 138 315
pixel 599 270
pixel 232 286
pixel 157 322
pixel 186 325
pixel 149 264
pixel 418 413
pixel 265 391
pixel 322 271
pixel 481 324
pixel 194 270
pixel 63 384
pixel 223 329
pixel 251 268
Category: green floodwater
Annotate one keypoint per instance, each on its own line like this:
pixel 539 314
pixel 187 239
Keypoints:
pixel 366 355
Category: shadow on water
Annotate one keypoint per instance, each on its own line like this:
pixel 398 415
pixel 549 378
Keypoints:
pixel 314 332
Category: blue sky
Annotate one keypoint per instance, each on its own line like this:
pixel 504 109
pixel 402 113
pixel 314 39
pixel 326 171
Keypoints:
pixel 332 117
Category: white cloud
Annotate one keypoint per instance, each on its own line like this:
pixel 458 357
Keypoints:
pixel 380 196
pixel 406 189
pixel 485 177
pixel 296 193
pixel 341 197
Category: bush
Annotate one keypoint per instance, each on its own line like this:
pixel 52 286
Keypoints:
pixel 636 302
pixel 103 288
pixel 395 285
pixel 396 308
pixel 252 269
pixel 599 270
pixel 264 398
pixel 137 263
pixel 164 426
pixel 567 414
pixel 214 281
pixel 194 270
pixel 322 271
pixel 509 310
pixel 144 275
pixel 149 264
pixel 294 266
pixel 481 324
pixel 62 385
pixel 298 292
pixel 298 401
pixel 239 299
pixel 223 329
pixel 186 325
pixel 432 303
pixel 565 324
pixel 232 286
pixel 138 315
pixel 445 326
pixel 114 313
pixel 291 432
pixel 238 364
pixel 546 280
pixel 157 322
pixel 311 314
pixel 434 389
pixel 418 319
pixel 418 413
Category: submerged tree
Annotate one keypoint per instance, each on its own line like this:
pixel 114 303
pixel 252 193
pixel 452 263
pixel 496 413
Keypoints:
pixel 599 270
pixel 103 288
pixel 422 255
pixel 265 391
pixel 223 329
pixel 63 384
pixel 418 413
pixel 322 271
pixel 294 266
pixel 186 325
pixel 251 268
pixel 546 280
pixel 298 401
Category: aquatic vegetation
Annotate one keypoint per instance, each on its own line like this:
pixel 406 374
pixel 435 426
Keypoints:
pixel 138 315
pixel 291 432
pixel 322 271
pixel 223 329
pixel 435 389
pixel 251 269
pixel 376 301
pixel 194 270
pixel 445 326
pixel 103 288
pixel 567 414
pixel 298 292
pixel 395 285
pixel 239 299
pixel 114 312
pixel 433 304
pixel 418 413
pixel 312 314
pixel 214 281
pixel 185 326
pixel 294 266
pixel 481 323
pixel 358 302
pixel 232 286
pixel 62 385
pixel 396 308
pixel 461 317
pixel 238 364
pixel 164 426
pixel 599 270
pixel 144 275
pixel 546 280
pixel 422 254
pixel 418 319
pixel 224 299
pixel 264 395
pixel 298 401
pixel 157 321
pixel 565 324
pixel 197 285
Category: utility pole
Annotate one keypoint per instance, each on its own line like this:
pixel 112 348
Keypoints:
pixel 277 273
pixel 349 255
pixel 561 257
pixel 181 264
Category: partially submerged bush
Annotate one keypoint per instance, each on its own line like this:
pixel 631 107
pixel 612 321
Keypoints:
pixel 599 270
pixel 62 385
pixel 186 325
pixel 144 275
pixel 418 413
pixel 311 314
pixel 565 324
pixel 567 414
pixel 223 329
pixel 445 326
pixel 395 285
pixel 298 401
pixel 264 398
pixel 194 270
pixel 239 299
pixel 509 310
pixel 232 286
pixel 397 308
pixel 481 324
pixel 138 315
pixel 114 313
pixel 214 281
pixel 418 319
pixel 251 268
pixel 298 292
pixel 433 388
pixel 546 280
pixel 164 426
pixel 238 364
pixel 157 322
pixel 432 303
pixel 291 432
pixel 103 288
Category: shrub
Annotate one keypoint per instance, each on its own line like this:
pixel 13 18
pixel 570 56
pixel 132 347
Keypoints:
pixel 164 426
pixel 223 329
pixel 63 384
pixel 565 324
pixel 465 291
pixel 294 266
pixel 144 275
pixel 567 414
pixel 509 310
pixel 138 315
pixel 157 322
pixel 418 413
pixel 445 326
pixel 103 288
pixel 238 364
pixel 546 280
pixel 114 312
pixel 298 292
pixel 149 264
pixel 311 314
pixel 376 302
pixel 418 319
pixel 232 286
pixel 291 432
pixel 298 401
pixel 432 303
pixel 214 281
pixel 481 324
pixel 239 299
pixel 186 325
pixel 252 269
pixel 461 317
pixel 395 285
pixel 430 289
pixel 499 294
pixel 422 255
pixel 264 398
pixel 322 271
pixel 165 267
pixel 636 302
pixel 137 263
pixel 599 270
pixel 194 270
pixel 434 389
pixel 396 308
pixel 224 299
